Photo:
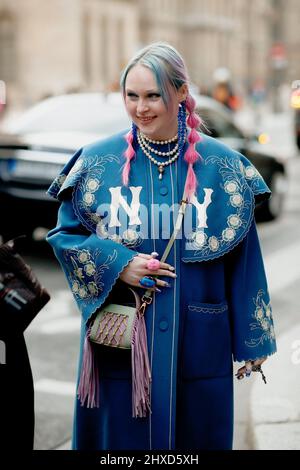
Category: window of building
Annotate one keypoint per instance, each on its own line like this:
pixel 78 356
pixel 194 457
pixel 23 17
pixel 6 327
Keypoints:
pixel 8 55
pixel 86 48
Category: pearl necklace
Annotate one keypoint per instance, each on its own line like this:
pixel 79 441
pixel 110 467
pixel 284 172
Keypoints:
pixel 159 142
pixel 161 165
pixel 157 152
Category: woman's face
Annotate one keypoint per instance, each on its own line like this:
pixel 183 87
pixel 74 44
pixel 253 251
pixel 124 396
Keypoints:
pixel 146 107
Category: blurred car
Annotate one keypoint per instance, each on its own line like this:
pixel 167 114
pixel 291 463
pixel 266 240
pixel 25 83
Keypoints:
pixel 221 124
pixel 36 146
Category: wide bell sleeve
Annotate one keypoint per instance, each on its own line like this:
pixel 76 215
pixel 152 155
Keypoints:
pixel 249 302
pixel 92 265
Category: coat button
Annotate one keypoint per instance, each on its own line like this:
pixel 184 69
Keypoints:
pixel 163 325
pixel 163 190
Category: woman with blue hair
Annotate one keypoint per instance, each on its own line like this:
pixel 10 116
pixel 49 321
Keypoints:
pixel 210 303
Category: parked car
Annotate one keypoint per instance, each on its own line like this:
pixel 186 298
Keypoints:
pixel 221 125
pixel 37 145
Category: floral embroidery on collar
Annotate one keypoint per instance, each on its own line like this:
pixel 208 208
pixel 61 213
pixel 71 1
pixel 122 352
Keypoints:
pixel 57 184
pixel 263 322
pixel 130 238
pixel 238 183
pixel 85 202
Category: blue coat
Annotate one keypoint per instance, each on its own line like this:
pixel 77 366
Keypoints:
pixel 216 310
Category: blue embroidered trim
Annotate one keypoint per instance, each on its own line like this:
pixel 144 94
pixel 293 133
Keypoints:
pixel 86 276
pixel 206 309
pixel 62 181
pixel 263 324
pixel 254 358
pixel 89 178
pixel 240 183
pixel 56 185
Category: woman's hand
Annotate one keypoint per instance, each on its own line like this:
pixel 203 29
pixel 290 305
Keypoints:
pixel 249 367
pixel 137 269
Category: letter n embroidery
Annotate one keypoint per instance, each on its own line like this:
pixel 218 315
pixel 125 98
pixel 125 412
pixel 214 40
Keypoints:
pixel 118 200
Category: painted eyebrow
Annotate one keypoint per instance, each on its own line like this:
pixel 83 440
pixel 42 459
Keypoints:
pixel 156 92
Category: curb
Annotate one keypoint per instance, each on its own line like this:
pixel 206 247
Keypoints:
pixel 275 410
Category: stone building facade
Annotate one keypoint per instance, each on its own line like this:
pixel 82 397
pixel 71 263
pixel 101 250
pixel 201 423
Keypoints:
pixel 50 47
pixel 214 33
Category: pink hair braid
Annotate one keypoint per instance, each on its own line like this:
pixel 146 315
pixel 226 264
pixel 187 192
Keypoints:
pixel 128 154
pixel 191 155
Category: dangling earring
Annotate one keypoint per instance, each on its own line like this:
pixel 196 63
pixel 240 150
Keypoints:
pixel 181 127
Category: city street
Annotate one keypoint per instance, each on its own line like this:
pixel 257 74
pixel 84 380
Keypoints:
pixel 125 65
pixel 53 337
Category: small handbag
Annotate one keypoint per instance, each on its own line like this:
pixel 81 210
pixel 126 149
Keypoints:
pixel 114 324
pixel 21 294
pixel 122 326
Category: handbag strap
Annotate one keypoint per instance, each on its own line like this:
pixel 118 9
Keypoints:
pixel 177 227
pixel 137 299
pixel 147 297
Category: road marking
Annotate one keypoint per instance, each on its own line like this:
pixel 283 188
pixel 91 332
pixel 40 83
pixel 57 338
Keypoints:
pixel 282 267
pixel 57 387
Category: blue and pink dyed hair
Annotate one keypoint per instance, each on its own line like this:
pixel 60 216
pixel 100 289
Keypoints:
pixel 170 73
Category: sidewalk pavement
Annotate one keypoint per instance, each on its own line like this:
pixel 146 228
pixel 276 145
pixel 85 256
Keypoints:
pixel 275 408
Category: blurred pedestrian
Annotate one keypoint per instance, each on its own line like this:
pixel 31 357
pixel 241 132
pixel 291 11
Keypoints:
pixel 295 105
pixel 210 301
pixel 16 382
pixel 3 99
pixel 16 393
pixel 21 298
pixel 223 90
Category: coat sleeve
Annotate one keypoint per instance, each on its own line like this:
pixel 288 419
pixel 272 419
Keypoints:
pixel 249 302
pixel 92 265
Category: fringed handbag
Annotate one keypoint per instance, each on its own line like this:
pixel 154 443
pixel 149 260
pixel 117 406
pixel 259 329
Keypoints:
pixel 121 326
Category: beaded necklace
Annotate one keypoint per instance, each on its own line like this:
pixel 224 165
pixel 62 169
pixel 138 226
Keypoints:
pixel 144 143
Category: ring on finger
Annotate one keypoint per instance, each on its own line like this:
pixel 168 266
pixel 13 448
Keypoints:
pixel 153 264
pixel 148 282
